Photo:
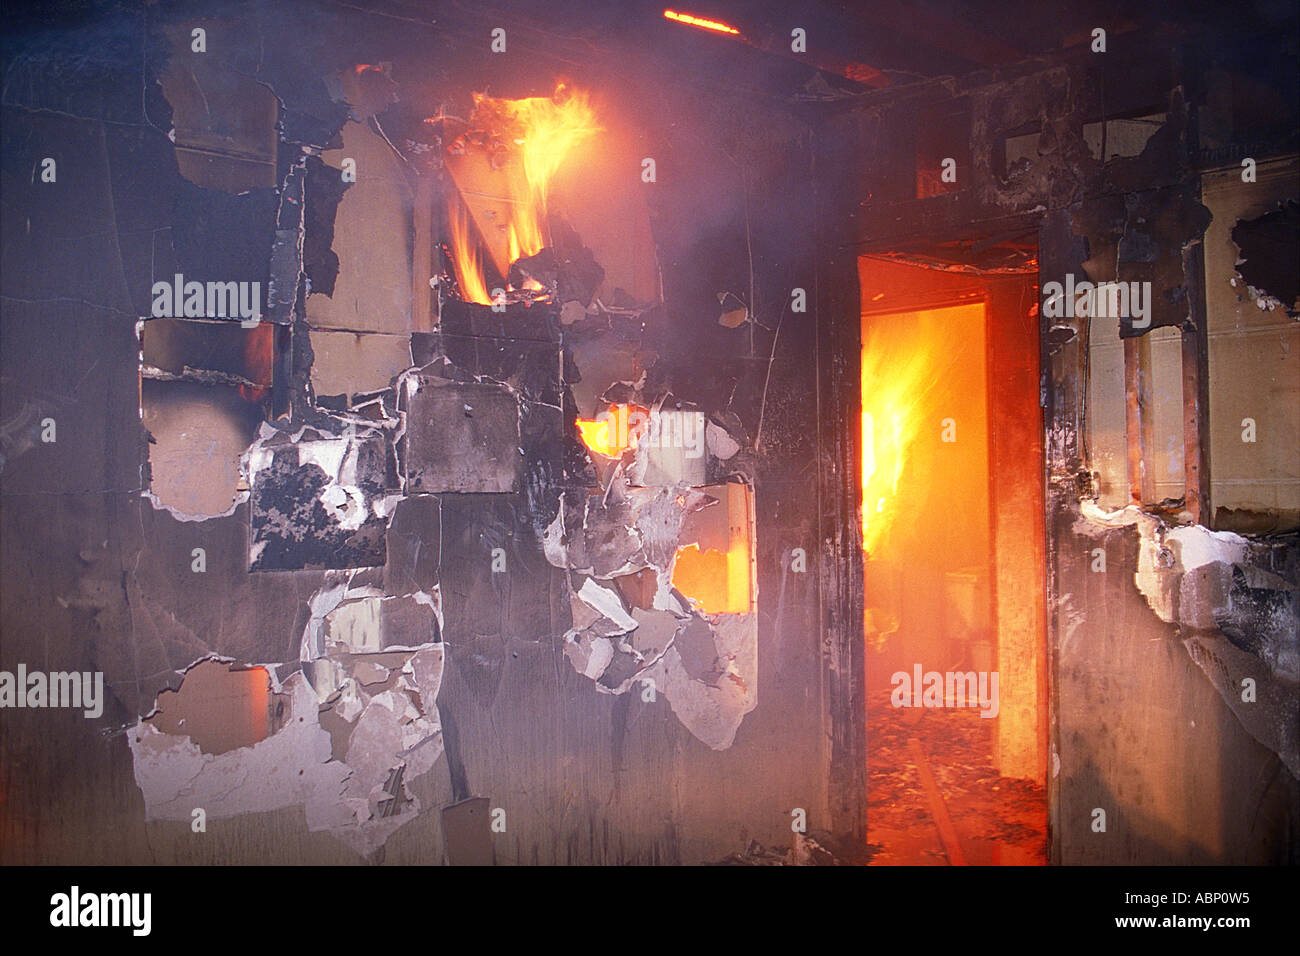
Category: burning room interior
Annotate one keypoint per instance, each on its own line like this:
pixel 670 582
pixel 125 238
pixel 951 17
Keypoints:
pixel 567 432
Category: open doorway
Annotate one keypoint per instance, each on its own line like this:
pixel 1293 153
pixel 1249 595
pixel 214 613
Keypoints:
pixel 954 572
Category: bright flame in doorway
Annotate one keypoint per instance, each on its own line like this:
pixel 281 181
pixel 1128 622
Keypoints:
pixel 904 357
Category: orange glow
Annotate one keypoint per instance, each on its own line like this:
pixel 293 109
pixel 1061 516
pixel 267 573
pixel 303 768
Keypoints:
pixel 531 138
pixel 259 356
pixel 715 25
pixel 218 706
pixel 465 256
pixel 544 130
pixel 614 431
pixel 257 707
pixel 718 581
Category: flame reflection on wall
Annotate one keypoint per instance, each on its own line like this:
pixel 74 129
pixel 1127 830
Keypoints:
pixel 715 571
pixel 259 357
pixel 717 583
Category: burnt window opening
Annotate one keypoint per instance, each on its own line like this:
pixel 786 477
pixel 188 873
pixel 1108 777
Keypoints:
pixel 1016 152
pixel 1124 135
pixel 1253 345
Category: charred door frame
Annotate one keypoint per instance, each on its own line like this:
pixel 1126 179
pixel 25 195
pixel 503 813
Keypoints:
pixel 838 298
pixel 840 599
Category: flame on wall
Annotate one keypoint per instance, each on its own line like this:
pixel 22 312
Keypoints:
pixel 465 255
pixel 614 431
pixel 544 130
pixel 531 139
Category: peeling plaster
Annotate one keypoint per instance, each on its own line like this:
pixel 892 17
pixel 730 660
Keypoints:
pixel 640 529
pixel 291 767
pixel 160 505
pixel 350 779
pixel 1213 586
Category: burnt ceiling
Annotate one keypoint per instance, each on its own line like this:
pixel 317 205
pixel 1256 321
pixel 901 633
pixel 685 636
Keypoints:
pixel 858 45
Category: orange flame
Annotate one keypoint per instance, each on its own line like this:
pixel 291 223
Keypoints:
pixel 903 358
pixel 544 130
pixel 534 136
pixel 615 430
pixel 465 256
pixel 716 25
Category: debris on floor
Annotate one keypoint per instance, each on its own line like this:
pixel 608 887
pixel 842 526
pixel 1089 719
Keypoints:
pixel 998 820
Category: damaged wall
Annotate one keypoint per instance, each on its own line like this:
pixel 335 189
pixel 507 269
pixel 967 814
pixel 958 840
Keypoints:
pixel 369 522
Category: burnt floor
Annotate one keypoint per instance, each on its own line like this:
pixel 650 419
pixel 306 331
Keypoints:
pixel 999 821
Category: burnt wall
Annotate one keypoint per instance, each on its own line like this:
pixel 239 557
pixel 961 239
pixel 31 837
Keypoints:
pixel 100 576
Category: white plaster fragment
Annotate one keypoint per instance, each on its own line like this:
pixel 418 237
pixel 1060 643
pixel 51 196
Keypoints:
pixel 1194 546
pixel 326 455
pixel 553 541
pixel 358 624
pixel 347 505
pixel 1165 554
pixel 385 506
pixel 326 599
pixel 1119 518
pixel 350 703
pixel 160 505
pixel 588 653
pixel 395 729
pixel 607 602
pixel 720 443
pixel 713 713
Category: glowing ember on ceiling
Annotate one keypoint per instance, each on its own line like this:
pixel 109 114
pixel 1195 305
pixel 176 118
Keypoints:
pixel 703 23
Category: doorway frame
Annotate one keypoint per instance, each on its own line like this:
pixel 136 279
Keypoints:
pixel 841 601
